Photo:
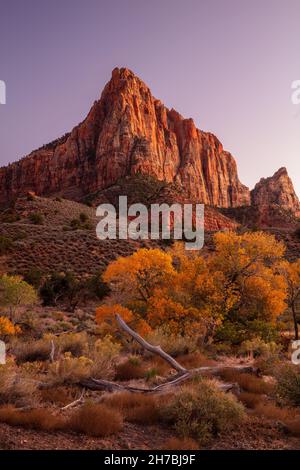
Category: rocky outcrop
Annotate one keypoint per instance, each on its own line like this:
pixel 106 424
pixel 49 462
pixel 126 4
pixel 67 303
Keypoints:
pixel 128 132
pixel 278 190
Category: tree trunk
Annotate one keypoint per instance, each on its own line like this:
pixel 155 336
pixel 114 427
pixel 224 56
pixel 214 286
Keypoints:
pixel 295 321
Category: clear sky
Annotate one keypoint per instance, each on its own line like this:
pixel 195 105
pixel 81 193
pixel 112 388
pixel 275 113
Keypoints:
pixel 229 64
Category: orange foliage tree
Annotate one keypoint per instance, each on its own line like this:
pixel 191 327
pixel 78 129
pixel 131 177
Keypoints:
pixel 191 294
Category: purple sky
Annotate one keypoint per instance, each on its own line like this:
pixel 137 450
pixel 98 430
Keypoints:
pixel 229 64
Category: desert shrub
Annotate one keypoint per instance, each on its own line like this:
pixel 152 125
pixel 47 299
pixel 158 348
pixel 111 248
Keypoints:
pixel 257 347
pixel 273 412
pixel 171 343
pixel 32 351
pixel 96 420
pixel 104 356
pixel 38 418
pixel 66 288
pixel 130 369
pixel 107 348
pixel 36 218
pixel 83 217
pixel 96 287
pixel 69 369
pixel 288 385
pixel 6 245
pixel 14 388
pixel 202 411
pixel 57 288
pixel 250 399
pixel 247 382
pixel 7 328
pixel 136 408
pixel 75 224
pixel 58 396
pixel 196 359
pixel 74 343
pixel 34 277
pixel 176 443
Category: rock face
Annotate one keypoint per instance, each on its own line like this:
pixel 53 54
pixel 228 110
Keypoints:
pixel 278 190
pixel 127 132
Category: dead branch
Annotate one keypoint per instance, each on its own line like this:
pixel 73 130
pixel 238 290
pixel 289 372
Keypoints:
pixel 52 353
pixel 75 402
pixel 149 347
pixel 182 375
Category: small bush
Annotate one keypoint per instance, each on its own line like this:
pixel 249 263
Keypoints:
pixel 172 344
pixel 36 218
pixel 96 420
pixel 32 351
pixel 34 277
pixel 69 369
pixel 39 419
pixel 14 389
pixel 288 385
pixel 273 412
pixel 6 245
pixel 74 343
pixel 196 359
pixel 247 382
pixel 57 396
pixel 256 347
pixel 249 399
pixel 83 217
pixel 201 411
pixel 136 408
pixel 130 370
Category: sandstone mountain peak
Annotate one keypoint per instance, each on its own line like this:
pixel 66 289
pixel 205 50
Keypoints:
pixel 276 190
pixel 128 132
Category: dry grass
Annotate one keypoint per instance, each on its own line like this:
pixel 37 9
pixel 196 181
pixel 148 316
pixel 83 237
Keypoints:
pixel 247 382
pixel 39 419
pixel 68 370
pixel 196 359
pixel 135 408
pixel 130 370
pixel 91 419
pixel 57 396
pixel 175 443
pixel 14 389
pixel 249 399
pixel 32 351
pixel 273 412
pixel 96 420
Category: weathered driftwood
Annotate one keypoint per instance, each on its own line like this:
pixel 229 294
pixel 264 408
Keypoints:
pixel 182 375
pixel 75 402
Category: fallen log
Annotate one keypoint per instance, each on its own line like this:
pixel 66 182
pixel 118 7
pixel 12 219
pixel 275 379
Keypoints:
pixel 182 375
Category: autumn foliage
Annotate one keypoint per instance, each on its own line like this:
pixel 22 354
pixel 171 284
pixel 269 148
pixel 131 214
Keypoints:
pixel 185 293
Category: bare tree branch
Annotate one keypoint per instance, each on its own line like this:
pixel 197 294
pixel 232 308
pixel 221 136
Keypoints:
pixel 183 373
pixel 149 347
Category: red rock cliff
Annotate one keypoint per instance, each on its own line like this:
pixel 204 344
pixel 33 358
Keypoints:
pixel 278 190
pixel 129 131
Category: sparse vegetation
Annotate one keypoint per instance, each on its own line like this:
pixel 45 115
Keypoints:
pixel 201 411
